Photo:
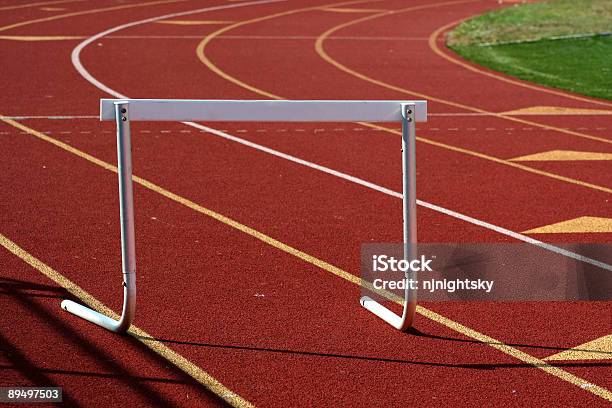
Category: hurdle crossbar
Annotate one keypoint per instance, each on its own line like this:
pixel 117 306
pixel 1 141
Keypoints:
pixel 123 111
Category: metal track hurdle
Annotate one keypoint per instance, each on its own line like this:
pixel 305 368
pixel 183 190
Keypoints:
pixel 125 110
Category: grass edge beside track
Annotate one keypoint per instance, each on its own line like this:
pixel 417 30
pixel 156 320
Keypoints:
pixel 563 44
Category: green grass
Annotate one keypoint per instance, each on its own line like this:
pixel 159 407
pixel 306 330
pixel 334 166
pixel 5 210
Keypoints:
pixel 581 65
pixel 578 65
pixel 535 21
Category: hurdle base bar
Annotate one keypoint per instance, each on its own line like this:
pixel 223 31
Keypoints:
pixel 402 323
pixel 381 311
pixel 117 326
pixel 126 215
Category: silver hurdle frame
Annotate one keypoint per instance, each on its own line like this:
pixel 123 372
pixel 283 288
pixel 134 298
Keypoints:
pixel 123 111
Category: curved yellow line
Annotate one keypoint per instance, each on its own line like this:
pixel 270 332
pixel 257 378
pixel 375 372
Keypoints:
pixel 201 48
pixel 498 160
pixel 201 53
pixel 189 368
pixel 155 345
pixel 520 355
pixel 84 12
pixel 433 38
pixel 205 378
pixel 321 51
pixel 41 3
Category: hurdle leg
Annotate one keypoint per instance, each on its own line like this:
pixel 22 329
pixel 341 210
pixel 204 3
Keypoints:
pixel 126 213
pixel 404 322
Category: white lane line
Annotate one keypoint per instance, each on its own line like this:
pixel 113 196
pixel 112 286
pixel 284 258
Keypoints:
pixel 58 117
pixel 397 194
pixel 75 56
pixel 76 61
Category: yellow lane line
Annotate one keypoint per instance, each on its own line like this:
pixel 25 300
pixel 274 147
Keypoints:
pixel 84 12
pixel 432 315
pixel 176 359
pixel 509 350
pixel 556 110
pixel 321 51
pixel 40 37
pixel 527 358
pixel 350 10
pixel 497 160
pixel 201 53
pixel 42 3
pixel 435 48
pixel 193 22
pixel 564 155
pixel 521 355
pixel 201 376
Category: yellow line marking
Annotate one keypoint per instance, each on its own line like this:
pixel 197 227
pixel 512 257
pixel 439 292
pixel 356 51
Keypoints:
pixel 40 37
pixel 600 391
pixel 497 160
pixel 527 358
pixel 556 110
pixel 576 226
pixel 43 3
pixel 522 356
pixel 321 51
pixel 351 10
pixel 189 368
pixel 201 53
pixel 192 22
pixel 455 60
pixel 598 349
pixel 84 12
pixel 564 155
pixel 52 8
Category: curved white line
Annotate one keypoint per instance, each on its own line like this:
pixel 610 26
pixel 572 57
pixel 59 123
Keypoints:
pixel 76 52
pixel 76 61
